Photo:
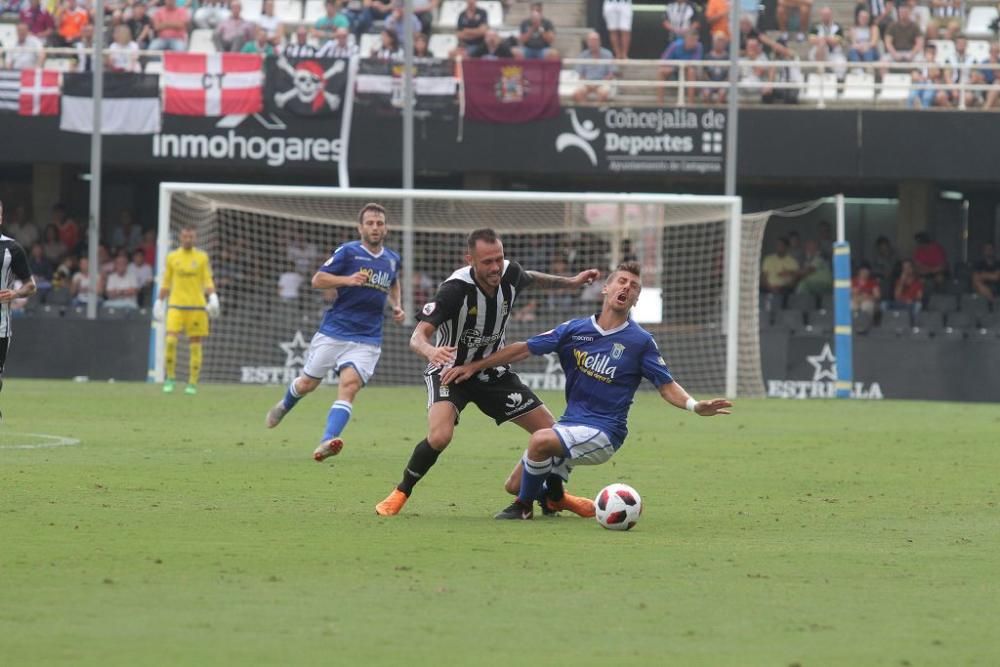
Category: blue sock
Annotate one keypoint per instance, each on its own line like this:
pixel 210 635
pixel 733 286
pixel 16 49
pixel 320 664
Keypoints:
pixel 340 414
pixel 291 396
pixel 532 478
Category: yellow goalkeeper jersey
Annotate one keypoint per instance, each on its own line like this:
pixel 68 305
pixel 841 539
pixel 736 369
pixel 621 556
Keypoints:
pixel 188 273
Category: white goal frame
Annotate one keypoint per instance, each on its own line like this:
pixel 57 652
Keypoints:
pixel 732 256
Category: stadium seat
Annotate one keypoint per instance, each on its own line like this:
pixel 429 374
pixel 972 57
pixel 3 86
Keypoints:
pixel 897 320
pixel 989 320
pixel 895 87
pixel 58 296
pixel 961 320
pixel 979 49
pixel 314 9
pixel 252 9
pixel 77 312
pixel 922 15
pixel 931 320
pixel 111 313
pixel 791 319
pixel 979 19
pixel 973 303
pixel 449 13
pixel 883 331
pixel 49 311
pixel 943 303
pixel 862 322
pixel 494 12
pixel 289 11
pixel 985 335
pixel 801 302
pixel 826 301
pixel 859 86
pixel 917 333
pixel 944 50
pixel 441 45
pixel 568 79
pixel 369 42
pixel 821 86
pixel 820 320
pixel 950 335
pixel 8 34
pixel 201 41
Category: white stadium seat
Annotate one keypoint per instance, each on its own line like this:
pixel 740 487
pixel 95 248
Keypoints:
pixel 494 12
pixel 440 45
pixel 944 50
pixel 289 11
pixel 154 67
pixel 568 79
pixel 859 86
pixel 922 15
pixel 449 13
pixel 820 86
pixel 201 41
pixel 979 20
pixel 60 64
pixel 895 87
pixel 368 43
pixel 979 49
pixel 314 10
pixel 252 9
pixel 8 34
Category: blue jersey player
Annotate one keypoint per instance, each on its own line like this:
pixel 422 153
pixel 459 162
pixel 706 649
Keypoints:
pixel 604 357
pixel 365 274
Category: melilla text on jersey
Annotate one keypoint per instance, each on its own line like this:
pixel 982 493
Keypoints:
pixel 597 365
pixel 380 280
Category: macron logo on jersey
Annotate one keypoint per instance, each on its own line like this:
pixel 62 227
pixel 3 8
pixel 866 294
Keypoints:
pixel 597 366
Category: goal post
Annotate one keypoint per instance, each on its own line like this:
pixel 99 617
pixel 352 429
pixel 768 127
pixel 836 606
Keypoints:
pixel 699 257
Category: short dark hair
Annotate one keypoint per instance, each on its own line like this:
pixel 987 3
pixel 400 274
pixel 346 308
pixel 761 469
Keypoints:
pixel 189 226
pixel 631 267
pixel 372 206
pixel 485 234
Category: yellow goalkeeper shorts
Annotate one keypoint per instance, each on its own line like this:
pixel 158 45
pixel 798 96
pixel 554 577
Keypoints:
pixel 192 323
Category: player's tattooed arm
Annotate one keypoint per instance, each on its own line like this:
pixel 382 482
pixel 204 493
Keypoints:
pixel 539 280
pixel 420 342
pixel 24 291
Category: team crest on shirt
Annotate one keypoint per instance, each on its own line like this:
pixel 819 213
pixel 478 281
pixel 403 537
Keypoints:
pixel 428 308
pixel 473 311
pixel 616 350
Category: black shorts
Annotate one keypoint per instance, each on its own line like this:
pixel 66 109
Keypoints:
pixel 503 398
pixel 4 343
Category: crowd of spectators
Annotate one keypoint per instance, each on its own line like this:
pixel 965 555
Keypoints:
pixel 58 260
pixel 886 286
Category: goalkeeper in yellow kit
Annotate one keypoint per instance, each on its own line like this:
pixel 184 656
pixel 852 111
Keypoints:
pixel 187 281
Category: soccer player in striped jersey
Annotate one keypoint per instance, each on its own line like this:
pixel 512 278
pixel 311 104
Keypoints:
pixel 468 316
pixel 605 357
pixel 13 266
pixel 365 274
pixel 187 283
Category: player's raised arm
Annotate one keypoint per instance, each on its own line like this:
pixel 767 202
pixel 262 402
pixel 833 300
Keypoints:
pixel 508 355
pixel 674 394
pixel 539 280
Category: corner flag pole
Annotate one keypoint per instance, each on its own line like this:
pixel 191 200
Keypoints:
pixel 842 329
pixel 94 228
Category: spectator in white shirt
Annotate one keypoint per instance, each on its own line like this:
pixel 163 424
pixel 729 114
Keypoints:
pixel 123 54
pixel 30 53
pixel 142 271
pixel 79 286
pixel 121 289
pixel 270 23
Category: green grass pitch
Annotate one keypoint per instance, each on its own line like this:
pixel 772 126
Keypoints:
pixel 180 531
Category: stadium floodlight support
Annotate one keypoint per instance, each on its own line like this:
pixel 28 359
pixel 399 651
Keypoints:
pixel 842 329
pixel 408 101
pixel 700 258
pixel 96 144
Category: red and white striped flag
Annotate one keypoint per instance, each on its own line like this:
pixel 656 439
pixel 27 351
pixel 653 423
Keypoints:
pixel 39 93
pixel 212 84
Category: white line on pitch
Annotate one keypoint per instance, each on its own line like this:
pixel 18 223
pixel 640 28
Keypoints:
pixel 53 441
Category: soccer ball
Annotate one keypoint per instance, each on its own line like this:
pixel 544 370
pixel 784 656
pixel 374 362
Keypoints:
pixel 618 507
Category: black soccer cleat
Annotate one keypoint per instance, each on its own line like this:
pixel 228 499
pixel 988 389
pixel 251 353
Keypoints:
pixel 543 504
pixel 516 511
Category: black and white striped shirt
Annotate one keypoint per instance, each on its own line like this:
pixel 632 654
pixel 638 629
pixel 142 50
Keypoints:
pixel 468 318
pixel 13 266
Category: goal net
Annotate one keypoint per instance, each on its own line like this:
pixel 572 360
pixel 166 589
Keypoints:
pixel 699 259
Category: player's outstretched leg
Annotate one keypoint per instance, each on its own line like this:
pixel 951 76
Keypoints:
pixel 339 414
pixel 543 450
pixel 297 389
pixel 441 420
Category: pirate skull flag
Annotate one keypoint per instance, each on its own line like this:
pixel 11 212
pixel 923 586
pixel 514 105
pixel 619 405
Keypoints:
pixel 307 86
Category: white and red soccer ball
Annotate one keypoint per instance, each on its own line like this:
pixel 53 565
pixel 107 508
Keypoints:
pixel 618 507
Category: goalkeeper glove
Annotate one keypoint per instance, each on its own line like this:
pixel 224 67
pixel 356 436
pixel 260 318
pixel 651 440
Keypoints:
pixel 159 310
pixel 213 309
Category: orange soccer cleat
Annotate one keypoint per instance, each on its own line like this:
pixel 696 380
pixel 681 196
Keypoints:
pixel 580 506
pixel 392 504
